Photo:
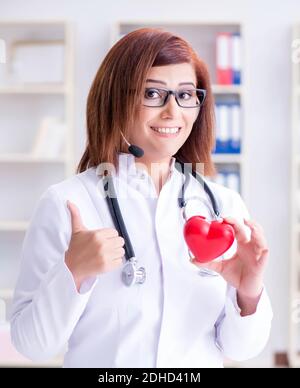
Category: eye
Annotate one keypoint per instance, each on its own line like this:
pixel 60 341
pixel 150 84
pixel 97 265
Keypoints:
pixel 185 94
pixel 151 94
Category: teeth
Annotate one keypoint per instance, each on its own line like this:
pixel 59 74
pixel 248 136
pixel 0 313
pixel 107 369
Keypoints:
pixel 166 130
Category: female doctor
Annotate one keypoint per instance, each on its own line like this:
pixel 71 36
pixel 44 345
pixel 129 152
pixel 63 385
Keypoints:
pixel 150 105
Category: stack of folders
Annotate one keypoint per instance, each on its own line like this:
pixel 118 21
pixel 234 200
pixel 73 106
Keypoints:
pixel 228 58
pixel 230 179
pixel 228 127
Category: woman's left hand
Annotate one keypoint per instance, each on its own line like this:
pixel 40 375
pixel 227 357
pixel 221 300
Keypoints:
pixel 245 269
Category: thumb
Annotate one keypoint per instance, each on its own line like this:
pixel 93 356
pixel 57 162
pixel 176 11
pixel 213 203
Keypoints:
pixel 76 221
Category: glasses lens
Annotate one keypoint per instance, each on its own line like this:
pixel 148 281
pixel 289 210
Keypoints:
pixel 191 98
pixel 154 97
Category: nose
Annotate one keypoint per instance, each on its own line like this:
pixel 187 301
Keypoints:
pixel 171 109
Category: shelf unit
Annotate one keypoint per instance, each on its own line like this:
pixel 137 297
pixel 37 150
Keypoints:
pixel 202 37
pixel 24 105
pixel 294 297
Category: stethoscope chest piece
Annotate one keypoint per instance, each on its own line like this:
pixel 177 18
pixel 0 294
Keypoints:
pixel 131 274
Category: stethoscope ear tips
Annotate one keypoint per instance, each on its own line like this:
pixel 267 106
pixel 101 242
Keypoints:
pixel 131 274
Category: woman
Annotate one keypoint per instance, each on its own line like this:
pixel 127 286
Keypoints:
pixel 151 93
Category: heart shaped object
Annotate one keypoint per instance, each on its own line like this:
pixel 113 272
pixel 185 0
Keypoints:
pixel 207 240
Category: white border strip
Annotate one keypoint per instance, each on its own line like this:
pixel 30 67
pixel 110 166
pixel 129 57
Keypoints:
pixel 2 51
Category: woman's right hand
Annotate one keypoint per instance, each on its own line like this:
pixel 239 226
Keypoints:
pixel 91 252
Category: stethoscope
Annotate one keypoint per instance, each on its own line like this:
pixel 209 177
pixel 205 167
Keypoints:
pixel 131 272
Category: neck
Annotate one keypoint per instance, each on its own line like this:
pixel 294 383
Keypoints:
pixel 158 169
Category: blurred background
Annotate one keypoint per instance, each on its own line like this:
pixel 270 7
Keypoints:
pixel 49 54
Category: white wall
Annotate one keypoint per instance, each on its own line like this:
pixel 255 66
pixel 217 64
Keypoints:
pixel 268 41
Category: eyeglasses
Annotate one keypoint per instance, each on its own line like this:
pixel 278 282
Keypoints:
pixel 185 98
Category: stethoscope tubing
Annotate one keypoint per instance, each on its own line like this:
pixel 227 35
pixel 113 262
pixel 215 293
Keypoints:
pixel 181 200
pixel 116 214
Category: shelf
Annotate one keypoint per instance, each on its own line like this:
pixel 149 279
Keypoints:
pixel 35 23
pixel 170 22
pixel 28 101
pixel 27 158
pixel 13 226
pixel 33 89
pixel 227 89
pixel 227 158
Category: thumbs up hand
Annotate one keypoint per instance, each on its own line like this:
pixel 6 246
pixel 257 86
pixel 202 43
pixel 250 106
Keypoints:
pixel 91 252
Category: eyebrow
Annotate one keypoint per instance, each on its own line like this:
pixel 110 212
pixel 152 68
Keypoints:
pixel 164 83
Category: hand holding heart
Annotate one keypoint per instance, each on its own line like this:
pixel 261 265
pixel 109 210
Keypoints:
pixel 245 269
pixel 207 240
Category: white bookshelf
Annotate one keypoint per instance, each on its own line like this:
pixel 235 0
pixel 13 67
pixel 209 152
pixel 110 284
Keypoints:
pixel 35 109
pixel 33 89
pixel 224 89
pixel 202 36
pixel 294 306
pixel 27 158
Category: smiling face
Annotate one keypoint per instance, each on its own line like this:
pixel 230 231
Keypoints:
pixel 161 131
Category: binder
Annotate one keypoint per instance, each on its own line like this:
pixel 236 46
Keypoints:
pixel 233 181
pixel 229 176
pixel 222 130
pixel 220 179
pixel 223 57
pixel 235 129
pixel 236 58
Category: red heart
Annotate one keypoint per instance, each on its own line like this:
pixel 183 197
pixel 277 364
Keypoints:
pixel 207 240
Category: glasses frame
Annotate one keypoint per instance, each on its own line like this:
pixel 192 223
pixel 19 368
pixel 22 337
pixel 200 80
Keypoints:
pixel 175 94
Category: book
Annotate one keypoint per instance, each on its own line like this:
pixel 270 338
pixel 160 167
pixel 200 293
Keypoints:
pixel 50 139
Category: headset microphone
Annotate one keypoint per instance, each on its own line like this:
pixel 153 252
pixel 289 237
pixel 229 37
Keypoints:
pixel 136 151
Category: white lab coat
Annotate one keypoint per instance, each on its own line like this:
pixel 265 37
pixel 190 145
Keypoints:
pixel 177 318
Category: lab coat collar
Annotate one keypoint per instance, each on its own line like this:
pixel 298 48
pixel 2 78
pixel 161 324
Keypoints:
pixel 128 162
pixel 129 167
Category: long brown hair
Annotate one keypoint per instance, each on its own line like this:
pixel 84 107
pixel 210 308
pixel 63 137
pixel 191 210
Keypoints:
pixel 117 90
